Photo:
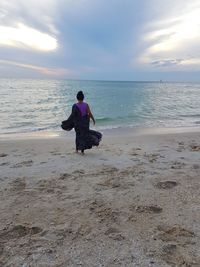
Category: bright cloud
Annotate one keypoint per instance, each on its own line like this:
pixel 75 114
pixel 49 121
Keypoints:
pixel 26 37
pixel 173 42
pixel 28 24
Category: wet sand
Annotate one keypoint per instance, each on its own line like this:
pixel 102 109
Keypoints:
pixel 133 201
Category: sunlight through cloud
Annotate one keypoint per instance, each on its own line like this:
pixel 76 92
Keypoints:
pixel 174 41
pixel 54 72
pixel 26 37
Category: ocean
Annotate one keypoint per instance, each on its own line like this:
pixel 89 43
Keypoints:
pixel 40 105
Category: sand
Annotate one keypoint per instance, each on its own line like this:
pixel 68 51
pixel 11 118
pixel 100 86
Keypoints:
pixel 133 201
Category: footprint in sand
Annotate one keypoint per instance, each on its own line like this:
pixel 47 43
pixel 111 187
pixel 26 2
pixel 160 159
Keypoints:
pixel 54 235
pixel 181 147
pixel 80 230
pixel 55 153
pixel 135 152
pixel 175 233
pixel 27 163
pixel 108 169
pixel 177 165
pixel 166 184
pixel 108 214
pixel 74 231
pixel 148 209
pixel 196 166
pixel 103 159
pixel 114 234
pixel 152 157
pixel 104 212
pixel 18 231
pixel 194 147
pixel 173 253
pixel 3 155
pixel 116 182
pixel 64 176
pixel 110 183
pixel 46 186
pixel 18 184
pixel 78 172
pixel 50 186
pixel 5 164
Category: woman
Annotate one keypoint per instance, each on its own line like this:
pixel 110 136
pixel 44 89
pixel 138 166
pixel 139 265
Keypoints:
pixel 81 115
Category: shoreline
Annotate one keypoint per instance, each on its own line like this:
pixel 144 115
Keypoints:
pixel 125 131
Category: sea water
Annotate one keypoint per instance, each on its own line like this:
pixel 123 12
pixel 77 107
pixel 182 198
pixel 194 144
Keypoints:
pixel 38 105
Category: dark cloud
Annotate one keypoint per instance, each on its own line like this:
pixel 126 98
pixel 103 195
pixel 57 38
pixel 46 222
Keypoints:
pixel 167 62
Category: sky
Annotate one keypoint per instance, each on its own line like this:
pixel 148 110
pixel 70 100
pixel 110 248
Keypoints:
pixel 100 39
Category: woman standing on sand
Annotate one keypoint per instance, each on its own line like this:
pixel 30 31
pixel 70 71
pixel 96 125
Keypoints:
pixel 80 121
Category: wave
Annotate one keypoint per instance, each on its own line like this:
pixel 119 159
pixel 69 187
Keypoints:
pixel 104 119
pixel 115 119
pixel 190 116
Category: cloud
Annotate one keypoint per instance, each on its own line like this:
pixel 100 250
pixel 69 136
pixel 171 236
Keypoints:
pixel 25 37
pixel 167 62
pixel 52 72
pixel 28 24
pixel 35 14
pixel 96 34
pixel 98 38
pixel 174 37
pixel 190 62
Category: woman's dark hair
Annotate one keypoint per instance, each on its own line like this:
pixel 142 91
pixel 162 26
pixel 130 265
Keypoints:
pixel 80 96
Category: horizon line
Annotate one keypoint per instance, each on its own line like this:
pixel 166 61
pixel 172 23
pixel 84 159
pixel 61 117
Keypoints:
pixel 98 80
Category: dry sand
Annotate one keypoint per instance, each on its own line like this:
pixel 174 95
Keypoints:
pixel 134 201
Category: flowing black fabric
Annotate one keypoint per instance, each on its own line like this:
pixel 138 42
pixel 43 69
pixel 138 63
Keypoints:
pixel 68 124
pixel 85 138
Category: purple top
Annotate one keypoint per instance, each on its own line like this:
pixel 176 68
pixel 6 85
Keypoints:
pixel 82 107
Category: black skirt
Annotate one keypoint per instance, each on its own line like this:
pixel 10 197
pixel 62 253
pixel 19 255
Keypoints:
pixel 85 138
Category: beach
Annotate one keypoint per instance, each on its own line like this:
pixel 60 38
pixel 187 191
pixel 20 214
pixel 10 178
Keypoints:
pixel 132 201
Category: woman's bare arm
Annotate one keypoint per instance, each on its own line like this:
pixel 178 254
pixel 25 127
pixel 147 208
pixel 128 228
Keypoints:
pixel 90 114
